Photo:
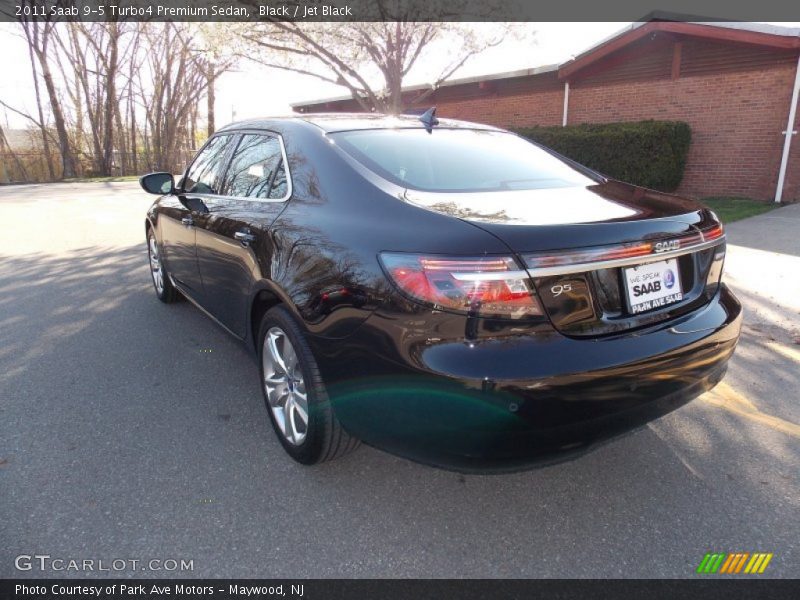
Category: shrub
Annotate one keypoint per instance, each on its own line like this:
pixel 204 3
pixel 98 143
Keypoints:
pixel 647 153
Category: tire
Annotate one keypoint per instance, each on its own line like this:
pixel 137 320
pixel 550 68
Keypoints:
pixel 286 382
pixel 162 284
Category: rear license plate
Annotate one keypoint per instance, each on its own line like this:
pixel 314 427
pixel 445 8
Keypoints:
pixel 653 285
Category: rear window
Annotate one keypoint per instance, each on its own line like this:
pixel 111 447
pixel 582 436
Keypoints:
pixel 458 160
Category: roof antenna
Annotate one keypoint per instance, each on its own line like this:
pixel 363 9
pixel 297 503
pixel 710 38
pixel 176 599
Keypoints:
pixel 429 119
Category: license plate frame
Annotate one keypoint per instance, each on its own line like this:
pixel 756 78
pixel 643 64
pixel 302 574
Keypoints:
pixel 651 286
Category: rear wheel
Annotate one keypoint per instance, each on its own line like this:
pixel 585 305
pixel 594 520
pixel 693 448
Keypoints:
pixel 165 291
pixel 295 396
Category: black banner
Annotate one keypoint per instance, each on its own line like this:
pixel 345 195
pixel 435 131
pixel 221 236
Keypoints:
pixel 393 10
pixel 391 589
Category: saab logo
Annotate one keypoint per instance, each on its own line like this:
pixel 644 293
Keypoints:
pixel 734 563
pixel 647 288
pixel 670 245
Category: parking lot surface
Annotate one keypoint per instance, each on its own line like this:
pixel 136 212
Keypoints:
pixel 134 430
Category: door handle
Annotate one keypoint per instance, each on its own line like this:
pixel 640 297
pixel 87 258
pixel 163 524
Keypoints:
pixel 245 237
pixel 188 221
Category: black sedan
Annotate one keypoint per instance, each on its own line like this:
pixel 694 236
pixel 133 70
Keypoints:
pixel 446 291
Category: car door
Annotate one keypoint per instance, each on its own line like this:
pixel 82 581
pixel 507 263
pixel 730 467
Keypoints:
pixel 254 191
pixel 178 236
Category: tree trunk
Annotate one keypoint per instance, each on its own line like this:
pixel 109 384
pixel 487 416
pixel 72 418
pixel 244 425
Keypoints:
pixel 192 130
pixel 132 117
pixel 211 98
pixel 122 140
pixel 42 126
pixel 67 157
pixel 110 99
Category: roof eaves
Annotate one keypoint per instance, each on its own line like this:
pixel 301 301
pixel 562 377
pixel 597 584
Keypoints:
pixel 665 21
pixel 453 82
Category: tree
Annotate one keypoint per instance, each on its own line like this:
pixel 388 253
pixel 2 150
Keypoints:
pixel 120 94
pixel 211 74
pixel 90 55
pixel 39 35
pixel 212 50
pixel 178 83
pixel 371 60
pixel 42 125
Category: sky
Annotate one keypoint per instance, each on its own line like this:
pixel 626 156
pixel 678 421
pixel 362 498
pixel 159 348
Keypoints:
pixel 254 91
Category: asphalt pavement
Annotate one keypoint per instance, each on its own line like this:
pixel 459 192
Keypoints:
pixel 132 430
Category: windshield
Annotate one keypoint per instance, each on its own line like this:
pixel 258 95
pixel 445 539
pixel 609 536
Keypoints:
pixel 458 160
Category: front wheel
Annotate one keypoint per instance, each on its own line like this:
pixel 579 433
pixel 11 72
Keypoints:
pixel 295 395
pixel 165 291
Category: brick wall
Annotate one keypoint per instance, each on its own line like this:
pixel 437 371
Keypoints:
pixel 503 103
pixel 541 108
pixel 736 120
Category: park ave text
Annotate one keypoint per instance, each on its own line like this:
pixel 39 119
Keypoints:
pixel 151 590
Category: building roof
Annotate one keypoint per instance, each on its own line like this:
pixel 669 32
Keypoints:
pixel 759 34
pixel 21 139
pixel 448 83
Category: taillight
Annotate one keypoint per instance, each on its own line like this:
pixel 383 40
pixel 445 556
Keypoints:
pixel 485 286
pixel 713 233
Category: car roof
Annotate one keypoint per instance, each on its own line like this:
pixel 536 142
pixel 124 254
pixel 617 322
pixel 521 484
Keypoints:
pixel 332 122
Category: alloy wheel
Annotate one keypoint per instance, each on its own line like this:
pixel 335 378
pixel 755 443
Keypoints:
pixel 155 265
pixel 284 386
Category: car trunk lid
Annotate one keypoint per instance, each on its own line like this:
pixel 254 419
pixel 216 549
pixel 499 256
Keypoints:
pixel 604 258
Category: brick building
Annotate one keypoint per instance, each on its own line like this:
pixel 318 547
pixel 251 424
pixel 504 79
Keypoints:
pixel 733 83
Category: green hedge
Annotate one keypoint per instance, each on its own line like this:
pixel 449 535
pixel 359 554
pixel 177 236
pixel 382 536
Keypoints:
pixel 647 153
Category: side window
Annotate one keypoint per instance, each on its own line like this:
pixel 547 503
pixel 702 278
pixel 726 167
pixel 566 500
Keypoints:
pixel 256 169
pixel 206 170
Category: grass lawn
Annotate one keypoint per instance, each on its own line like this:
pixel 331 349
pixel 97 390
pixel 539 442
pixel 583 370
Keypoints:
pixel 101 179
pixel 732 209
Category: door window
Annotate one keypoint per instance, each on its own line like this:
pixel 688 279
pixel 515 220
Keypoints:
pixel 257 169
pixel 206 171
pixel 279 186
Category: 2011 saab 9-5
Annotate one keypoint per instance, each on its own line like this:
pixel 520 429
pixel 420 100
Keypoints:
pixel 446 291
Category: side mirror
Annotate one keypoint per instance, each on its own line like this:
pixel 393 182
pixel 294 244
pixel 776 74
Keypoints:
pixel 158 183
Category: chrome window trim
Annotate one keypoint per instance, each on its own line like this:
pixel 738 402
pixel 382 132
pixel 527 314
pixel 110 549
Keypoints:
pixel 619 262
pixel 285 162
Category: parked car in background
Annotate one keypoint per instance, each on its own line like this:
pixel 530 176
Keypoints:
pixel 446 291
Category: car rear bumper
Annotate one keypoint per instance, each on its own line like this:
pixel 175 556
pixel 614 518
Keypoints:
pixel 509 402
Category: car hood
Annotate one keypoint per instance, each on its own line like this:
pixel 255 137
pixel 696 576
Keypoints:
pixel 604 213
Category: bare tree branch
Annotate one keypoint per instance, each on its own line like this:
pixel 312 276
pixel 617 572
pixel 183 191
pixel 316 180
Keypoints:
pixel 371 60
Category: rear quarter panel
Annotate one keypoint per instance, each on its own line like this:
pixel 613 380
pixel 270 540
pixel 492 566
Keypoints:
pixel 325 244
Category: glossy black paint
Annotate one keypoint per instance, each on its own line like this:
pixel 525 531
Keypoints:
pixel 158 183
pixel 491 395
pixel 439 387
